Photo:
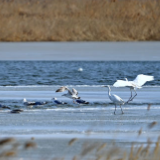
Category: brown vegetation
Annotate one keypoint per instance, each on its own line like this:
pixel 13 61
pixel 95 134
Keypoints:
pixel 136 152
pixel 99 151
pixel 79 20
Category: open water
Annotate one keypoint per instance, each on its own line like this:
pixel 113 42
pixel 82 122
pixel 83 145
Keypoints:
pixel 24 73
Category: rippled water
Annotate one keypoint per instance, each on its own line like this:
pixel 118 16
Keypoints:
pixel 19 73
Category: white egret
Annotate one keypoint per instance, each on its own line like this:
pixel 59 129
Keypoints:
pixel 25 102
pixel 71 94
pixel 115 99
pixel 57 101
pixel 133 85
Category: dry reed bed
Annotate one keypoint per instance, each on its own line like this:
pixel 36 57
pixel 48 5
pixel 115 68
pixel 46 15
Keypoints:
pixel 79 20
pixel 99 151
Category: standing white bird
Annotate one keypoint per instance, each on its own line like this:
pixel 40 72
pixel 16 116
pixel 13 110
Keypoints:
pixel 133 85
pixel 71 94
pixel 115 99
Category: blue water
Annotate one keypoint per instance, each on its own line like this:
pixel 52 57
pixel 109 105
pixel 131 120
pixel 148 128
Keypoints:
pixel 18 73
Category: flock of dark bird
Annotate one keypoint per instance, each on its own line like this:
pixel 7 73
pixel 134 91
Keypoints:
pixel 73 94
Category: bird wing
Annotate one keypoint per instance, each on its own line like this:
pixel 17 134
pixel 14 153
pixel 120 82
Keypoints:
pixel 80 101
pixel 69 92
pixel 142 79
pixel 121 83
pixel 58 102
pixel 40 103
pixel 30 103
pixel 116 98
pixel 74 91
pixel 61 89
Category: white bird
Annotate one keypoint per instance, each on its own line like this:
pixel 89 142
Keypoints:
pixel 25 102
pixel 115 99
pixel 57 101
pixel 133 85
pixel 71 94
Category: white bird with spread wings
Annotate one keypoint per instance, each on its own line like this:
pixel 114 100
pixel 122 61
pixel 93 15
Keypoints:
pixel 138 82
pixel 71 94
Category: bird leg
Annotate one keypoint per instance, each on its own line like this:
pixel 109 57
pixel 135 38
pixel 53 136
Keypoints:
pixel 121 109
pixel 134 96
pixel 129 97
pixel 115 109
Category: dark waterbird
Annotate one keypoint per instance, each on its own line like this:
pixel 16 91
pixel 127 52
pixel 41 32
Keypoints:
pixel 57 101
pixel 16 111
pixel 80 101
pixel 4 107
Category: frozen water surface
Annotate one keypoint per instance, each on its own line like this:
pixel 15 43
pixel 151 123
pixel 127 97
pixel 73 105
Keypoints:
pixel 53 126
pixel 69 120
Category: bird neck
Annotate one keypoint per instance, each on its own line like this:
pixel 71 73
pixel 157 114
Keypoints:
pixel 109 91
pixel 126 79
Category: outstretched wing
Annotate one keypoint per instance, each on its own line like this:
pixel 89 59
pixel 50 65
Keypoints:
pixel 61 89
pixel 74 91
pixel 69 92
pixel 142 79
pixel 121 83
